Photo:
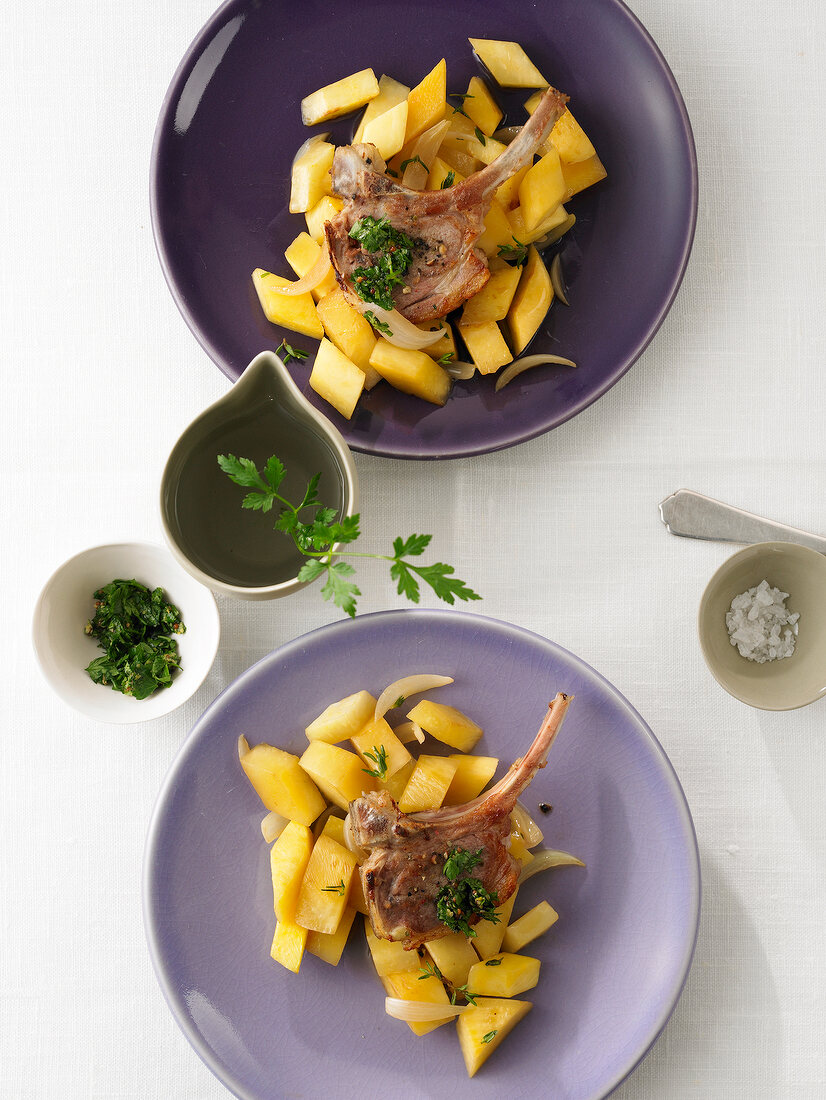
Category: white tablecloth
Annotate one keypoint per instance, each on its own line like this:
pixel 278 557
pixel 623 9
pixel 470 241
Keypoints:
pixel 730 399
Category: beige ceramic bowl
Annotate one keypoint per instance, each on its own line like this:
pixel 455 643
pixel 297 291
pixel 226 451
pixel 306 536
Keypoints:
pixel 775 685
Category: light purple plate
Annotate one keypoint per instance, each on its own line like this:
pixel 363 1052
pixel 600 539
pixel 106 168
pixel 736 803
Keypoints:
pixel 612 967
pixel 230 126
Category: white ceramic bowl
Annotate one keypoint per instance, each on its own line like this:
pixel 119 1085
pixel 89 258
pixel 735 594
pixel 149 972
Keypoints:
pixel 65 606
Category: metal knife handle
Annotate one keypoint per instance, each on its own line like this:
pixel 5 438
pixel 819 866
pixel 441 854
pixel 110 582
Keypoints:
pixel 695 516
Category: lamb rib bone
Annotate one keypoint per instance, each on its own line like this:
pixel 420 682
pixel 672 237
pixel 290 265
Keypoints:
pixel 447 268
pixel 402 875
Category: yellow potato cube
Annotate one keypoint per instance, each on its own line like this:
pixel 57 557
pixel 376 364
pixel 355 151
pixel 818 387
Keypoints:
pixel 498 232
pixel 567 136
pixel 339 98
pixel 483 1028
pixel 334 828
pixel 377 736
pixel 389 956
pixel 281 784
pixel 445 345
pixel 409 986
pixel 387 131
pixel 357 900
pixel 391 92
pixel 337 772
pixel 529 926
pixel 428 784
pixel 542 190
pixel 340 720
pixel 484 151
pixel 288 945
pixel 329 946
pixel 507 193
pixel 531 302
pixel 446 724
pixel 454 956
pixel 493 301
pixel 411 371
pixel 301 255
pixel 489 936
pixel 325 887
pixel 503 975
pixel 426 102
pixel 293 311
pixel 480 106
pixel 508 63
pixel 350 332
pixel 324 211
pixel 288 862
pixel 395 784
pixel 311 176
pixel 486 345
pixel 336 379
pixel 473 773
pixel 440 170
pixel 581 175
pixel 526 236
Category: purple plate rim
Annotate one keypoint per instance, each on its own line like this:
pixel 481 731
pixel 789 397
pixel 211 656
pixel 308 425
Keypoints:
pixel 508 439
pixel 151 924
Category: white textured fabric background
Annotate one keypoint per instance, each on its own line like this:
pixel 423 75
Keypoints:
pixel 730 399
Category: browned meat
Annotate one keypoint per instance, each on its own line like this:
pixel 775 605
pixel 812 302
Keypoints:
pixel 446 269
pixel 403 873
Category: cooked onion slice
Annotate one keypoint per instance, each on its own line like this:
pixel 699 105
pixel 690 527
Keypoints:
pixel 526 363
pixel 531 833
pixel 403 333
pixel 400 690
pixel 425 148
pixel 273 826
pixel 421 1012
pixel 553 235
pixel 243 747
pixel 460 371
pixel 545 859
pixel 409 731
pixel 557 281
pixel 310 279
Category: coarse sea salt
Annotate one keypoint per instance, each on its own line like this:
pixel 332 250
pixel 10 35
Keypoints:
pixel 760 624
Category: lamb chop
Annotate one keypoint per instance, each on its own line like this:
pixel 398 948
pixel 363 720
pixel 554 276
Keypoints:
pixel 446 267
pixel 405 870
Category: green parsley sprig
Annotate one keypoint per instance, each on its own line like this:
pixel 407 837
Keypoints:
pixel 319 535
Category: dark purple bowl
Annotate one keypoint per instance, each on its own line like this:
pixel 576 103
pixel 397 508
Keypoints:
pixel 230 126
pixel 613 965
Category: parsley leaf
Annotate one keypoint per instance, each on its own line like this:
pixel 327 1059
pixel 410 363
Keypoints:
pixel 463 896
pixel 380 326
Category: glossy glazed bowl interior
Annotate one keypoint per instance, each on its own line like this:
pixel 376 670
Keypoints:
pixel 776 685
pixel 231 124
pixel 228 548
pixel 65 605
